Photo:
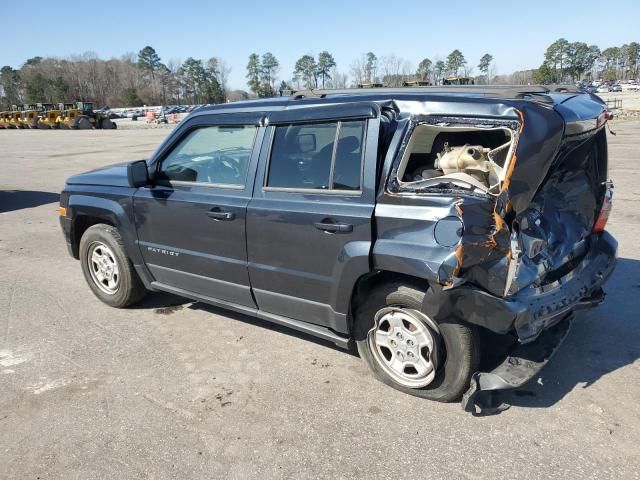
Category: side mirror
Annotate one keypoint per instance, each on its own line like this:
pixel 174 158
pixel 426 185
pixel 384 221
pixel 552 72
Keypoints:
pixel 137 174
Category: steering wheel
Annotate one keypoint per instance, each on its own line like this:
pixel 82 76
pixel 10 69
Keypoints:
pixel 223 166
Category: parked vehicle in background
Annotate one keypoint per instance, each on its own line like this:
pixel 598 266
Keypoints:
pixel 603 89
pixel 615 88
pixel 416 222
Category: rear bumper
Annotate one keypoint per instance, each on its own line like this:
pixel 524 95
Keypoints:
pixel 532 310
pixel 544 316
pixel 539 309
pixel 520 366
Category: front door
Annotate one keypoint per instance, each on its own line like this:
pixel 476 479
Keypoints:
pixel 309 223
pixel 191 224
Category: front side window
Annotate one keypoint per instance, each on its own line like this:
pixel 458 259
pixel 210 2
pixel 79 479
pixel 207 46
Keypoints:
pixel 323 156
pixel 214 155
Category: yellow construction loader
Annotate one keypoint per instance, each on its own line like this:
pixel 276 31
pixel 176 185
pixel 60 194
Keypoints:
pixel 76 116
pixel 68 115
pixel 97 119
pixel 29 116
pixel 4 119
pixel 15 119
pixel 50 115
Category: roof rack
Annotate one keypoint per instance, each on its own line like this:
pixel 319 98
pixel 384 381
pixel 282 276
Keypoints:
pixel 493 91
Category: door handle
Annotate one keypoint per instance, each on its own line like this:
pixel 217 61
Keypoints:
pixel 330 227
pixel 218 214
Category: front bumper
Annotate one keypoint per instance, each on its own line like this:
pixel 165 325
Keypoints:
pixel 66 225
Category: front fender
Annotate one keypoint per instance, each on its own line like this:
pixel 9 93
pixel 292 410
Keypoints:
pixel 117 211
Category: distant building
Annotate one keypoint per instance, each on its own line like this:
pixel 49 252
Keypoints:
pixel 416 83
pixel 457 81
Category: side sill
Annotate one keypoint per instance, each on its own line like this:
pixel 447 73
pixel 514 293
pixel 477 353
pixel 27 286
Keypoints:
pixel 310 329
pixel 315 330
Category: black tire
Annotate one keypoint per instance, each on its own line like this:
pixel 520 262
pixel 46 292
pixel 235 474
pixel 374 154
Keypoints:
pixel 84 123
pixel 130 288
pixel 459 342
pixel 106 124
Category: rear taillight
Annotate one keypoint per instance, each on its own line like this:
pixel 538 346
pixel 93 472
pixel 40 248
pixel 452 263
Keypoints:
pixel 605 210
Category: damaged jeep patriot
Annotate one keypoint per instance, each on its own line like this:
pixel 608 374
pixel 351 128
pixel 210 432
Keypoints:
pixel 420 223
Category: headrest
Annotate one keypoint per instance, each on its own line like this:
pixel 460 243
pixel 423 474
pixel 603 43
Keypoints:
pixel 348 144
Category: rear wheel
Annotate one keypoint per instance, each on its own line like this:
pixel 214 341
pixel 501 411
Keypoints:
pixel 107 269
pixel 411 352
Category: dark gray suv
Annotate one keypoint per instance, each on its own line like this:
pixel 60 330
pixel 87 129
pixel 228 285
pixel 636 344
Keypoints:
pixel 425 224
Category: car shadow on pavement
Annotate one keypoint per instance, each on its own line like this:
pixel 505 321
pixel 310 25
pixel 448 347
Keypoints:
pixel 161 302
pixel 271 326
pixel 600 342
pixel 11 200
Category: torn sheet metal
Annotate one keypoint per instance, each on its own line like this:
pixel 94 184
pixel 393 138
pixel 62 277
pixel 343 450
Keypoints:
pixel 532 228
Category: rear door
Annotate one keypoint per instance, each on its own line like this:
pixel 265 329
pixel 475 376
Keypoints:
pixel 191 224
pixel 309 222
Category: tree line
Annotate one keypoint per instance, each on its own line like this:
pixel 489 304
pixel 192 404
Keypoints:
pixel 131 80
pixel 390 70
pixel 576 61
pixel 143 78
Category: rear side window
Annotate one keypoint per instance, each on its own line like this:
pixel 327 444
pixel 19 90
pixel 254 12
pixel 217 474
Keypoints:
pixel 215 155
pixel 322 156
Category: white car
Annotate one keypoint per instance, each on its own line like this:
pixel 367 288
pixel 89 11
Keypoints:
pixel 634 87
pixel 602 89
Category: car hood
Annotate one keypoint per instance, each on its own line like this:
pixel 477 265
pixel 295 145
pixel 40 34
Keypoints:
pixel 110 175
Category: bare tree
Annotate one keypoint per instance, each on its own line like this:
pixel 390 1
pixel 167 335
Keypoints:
pixel 358 70
pixel 224 70
pixel 338 79
pixel 395 70
pixel 491 73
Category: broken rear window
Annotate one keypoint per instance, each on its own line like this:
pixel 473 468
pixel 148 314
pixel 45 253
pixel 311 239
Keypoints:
pixel 448 155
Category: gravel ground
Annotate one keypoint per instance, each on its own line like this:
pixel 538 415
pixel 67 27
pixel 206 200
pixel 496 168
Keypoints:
pixel 174 389
pixel 630 99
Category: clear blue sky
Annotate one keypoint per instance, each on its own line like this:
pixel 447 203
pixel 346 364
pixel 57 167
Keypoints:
pixel 515 33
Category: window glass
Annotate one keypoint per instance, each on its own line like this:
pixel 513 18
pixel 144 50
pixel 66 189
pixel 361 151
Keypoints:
pixel 348 166
pixel 301 156
pixel 217 155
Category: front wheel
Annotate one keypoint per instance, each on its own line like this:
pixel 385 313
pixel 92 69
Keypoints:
pixel 107 124
pixel 107 269
pixel 411 352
